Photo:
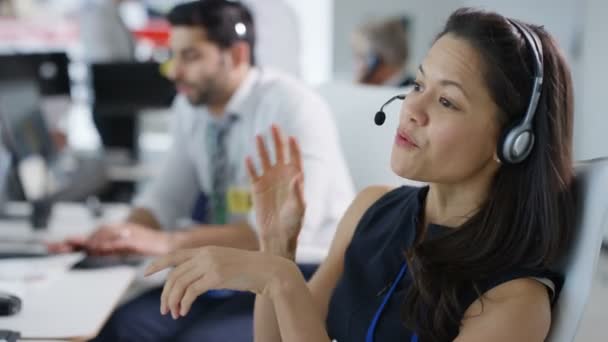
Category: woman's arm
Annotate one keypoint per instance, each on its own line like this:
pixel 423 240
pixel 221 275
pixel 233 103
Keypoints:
pixel 297 317
pixel 277 192
pixel 518 310
pixel 291 310
pixel 294 308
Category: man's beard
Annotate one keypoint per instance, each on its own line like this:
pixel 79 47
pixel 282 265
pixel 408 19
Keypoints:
pixel 200 98
pixel 204 95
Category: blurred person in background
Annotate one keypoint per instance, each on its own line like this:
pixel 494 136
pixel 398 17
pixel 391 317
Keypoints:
pixel 224 105
pixel 381 52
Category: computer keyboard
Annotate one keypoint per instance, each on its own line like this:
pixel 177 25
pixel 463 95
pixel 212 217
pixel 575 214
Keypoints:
pixel 102 261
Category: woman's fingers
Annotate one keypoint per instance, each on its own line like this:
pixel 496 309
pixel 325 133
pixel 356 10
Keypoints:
pixel 295 156
pixel 175 276
pixel 179 292
pixel 263 153
pixel 253 175
pixel 195 289
pixel 169 260
pixel 298 188
pixel 179 289
pixel 279 145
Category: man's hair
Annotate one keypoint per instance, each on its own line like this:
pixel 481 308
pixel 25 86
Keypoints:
pixel 225 22
pixel 385 39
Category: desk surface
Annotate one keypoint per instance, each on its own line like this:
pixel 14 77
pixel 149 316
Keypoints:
pixel 71 304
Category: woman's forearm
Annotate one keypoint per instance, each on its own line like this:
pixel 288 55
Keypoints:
pixel 265 326
pixel 297 317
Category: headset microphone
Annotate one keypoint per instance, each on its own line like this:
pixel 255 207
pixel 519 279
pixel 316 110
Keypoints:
pixel 380 116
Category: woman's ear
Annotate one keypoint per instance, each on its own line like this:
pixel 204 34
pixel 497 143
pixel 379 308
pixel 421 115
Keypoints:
pixel 496 159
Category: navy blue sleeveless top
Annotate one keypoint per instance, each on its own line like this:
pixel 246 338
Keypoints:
pixel 373 260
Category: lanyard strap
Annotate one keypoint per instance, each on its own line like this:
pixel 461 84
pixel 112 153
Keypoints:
pixel 372 327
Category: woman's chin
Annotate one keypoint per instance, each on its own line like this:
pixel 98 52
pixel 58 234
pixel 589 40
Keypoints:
pixel 404 170
pixel 403 165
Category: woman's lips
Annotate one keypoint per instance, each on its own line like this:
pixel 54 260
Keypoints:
pixel 403 139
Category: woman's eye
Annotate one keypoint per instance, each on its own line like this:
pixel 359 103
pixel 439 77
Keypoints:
pixel 446 103
pixel 417 87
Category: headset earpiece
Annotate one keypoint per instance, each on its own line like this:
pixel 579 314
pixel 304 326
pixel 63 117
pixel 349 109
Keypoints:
pixel 517 140
pixel 515 143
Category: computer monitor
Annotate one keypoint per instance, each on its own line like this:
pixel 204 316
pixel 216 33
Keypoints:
pixel 50 70
pixel 130 87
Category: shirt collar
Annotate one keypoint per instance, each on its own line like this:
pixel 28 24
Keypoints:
pixel 238 103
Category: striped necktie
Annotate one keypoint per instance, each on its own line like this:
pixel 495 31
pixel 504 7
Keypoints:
pixel 220 169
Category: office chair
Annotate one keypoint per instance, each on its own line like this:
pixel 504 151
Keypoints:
pixel 581 261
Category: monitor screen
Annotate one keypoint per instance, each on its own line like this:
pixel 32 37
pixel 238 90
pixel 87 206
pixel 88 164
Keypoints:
pixel 130 87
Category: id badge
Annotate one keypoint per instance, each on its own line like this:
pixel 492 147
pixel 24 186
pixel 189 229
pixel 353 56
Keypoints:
pixel 239 200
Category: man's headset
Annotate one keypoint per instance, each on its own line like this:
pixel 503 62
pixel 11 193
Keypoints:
pixel 372 63
pixel 516 141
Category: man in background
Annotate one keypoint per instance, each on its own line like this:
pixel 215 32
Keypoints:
pixel 224 101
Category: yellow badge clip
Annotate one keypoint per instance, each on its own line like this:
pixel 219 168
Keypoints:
pixel 239 200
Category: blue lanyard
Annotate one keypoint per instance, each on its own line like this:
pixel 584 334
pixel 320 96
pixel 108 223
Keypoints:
pixel 372 327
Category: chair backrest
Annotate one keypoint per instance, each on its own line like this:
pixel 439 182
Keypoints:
pixel 581 261
pixel 367 147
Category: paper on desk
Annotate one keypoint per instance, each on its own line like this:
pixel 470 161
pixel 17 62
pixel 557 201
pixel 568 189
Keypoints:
pixel 28 274
pixel 74 306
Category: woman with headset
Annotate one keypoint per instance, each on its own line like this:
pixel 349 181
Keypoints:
pixel 469 257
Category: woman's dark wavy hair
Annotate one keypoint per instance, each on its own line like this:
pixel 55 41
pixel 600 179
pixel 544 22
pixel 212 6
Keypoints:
pixel 527 219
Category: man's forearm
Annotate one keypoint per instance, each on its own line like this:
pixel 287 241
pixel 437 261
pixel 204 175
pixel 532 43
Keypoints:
pixel 232 235
pixel 143 217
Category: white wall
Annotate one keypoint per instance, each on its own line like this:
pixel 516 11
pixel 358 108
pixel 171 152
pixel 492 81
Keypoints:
pixel 427 19
pixel 591 124
pixel 316 24
pixel 562 18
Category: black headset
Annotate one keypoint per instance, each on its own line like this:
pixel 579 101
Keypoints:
pixel 517 141
pixel 372 63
